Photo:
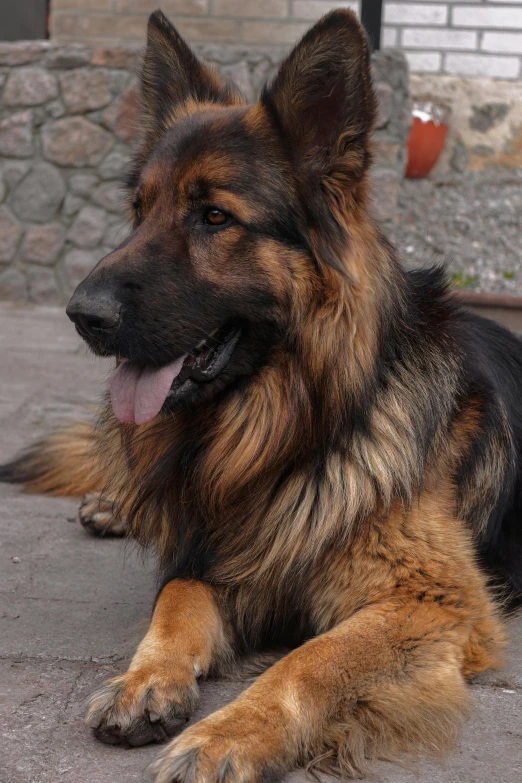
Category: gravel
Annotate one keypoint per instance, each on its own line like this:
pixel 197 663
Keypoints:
pixel 472 222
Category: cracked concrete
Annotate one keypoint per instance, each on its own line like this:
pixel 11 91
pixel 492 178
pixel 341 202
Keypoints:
pixel 72 608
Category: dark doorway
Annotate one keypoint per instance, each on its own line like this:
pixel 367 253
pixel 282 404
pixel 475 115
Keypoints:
pixel 22 20
pixel 371 15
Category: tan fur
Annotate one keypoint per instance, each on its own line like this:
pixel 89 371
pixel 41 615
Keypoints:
pixel 161 681
pixel 403 624
pixel 358 535
pixel 66 462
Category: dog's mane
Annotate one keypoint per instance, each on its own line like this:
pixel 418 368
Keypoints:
pixel 335 427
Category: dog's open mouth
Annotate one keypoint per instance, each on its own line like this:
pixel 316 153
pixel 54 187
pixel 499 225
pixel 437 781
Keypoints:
pixel 139 391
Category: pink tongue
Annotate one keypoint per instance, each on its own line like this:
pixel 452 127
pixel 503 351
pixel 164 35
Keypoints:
pixel 138 393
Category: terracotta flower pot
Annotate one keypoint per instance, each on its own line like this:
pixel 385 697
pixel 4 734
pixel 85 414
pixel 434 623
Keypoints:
pixel 426 139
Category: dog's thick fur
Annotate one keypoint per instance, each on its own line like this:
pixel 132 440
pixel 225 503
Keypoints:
pixel 341 488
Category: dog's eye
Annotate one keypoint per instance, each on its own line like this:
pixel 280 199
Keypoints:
pixel 215 217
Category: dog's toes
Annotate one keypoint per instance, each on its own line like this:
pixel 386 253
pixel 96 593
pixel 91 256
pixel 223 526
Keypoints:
pixel 97 516
pixel 140 732
pixel 133 710
pixel 208 752
pixel 107 736
pixel 175 768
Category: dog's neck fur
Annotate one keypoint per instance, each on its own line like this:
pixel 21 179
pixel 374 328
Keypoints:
pixel 231 459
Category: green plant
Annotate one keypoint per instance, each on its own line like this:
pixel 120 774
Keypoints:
pixel 460 280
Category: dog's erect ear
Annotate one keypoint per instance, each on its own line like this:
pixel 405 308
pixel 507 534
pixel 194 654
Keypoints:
pixel 323 98
pixel 171 74
pixel 323 102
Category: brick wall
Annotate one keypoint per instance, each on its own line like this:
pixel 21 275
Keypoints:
pixel 67 124
pixel 477 38
pixel 267 22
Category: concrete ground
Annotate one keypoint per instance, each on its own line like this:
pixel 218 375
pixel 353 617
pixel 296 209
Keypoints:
pixel 72 607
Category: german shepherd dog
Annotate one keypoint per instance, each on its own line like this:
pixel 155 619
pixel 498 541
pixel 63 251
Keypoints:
pixel 328 451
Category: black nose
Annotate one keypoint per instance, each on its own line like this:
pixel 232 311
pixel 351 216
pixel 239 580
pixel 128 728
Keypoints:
pixel 94 314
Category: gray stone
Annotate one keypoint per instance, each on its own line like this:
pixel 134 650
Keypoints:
pixel 262 73
pixel 119 81
pixel 55 109
pixel 74 141
pixel 487 116
pixel 384 104
pixel 72 204
pixel 42 244
pixel 390 66
pixel 95 116
pixel 39 116
pixel 115 234
pixel 3 189
pixel 115 58
pixel 484 151
pixel 29 87
pixel 88 228
pixel 65 57
pixel 385 189
pixel 240 75
pixel 21 52
pixel 39 195
pixel 77 265
pixel 223 55
pixel 10 233
pixel 115 164
pixel 14 171
pixel 386 154
pixel 12 285
pixel 110 196
pixel 85 89
pixel 42 285
pixel 82 184
pixel 460 158
pixel 105 250
pixel 121 116
pixel 3 77
pixel 16 135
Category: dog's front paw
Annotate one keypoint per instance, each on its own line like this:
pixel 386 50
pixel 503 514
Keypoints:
pixel 213 752
pixel 98 517
pixel 141 706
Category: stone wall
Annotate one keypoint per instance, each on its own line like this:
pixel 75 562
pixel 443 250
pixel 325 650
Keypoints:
pixel 67 119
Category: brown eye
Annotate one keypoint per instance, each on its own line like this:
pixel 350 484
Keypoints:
pixel 215 217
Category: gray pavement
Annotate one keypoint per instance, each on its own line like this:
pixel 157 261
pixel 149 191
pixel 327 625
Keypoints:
pixel 469 221
pixel 72 608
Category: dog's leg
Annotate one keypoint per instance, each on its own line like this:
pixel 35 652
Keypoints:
pixel 98 515
pixel 157 694
pixel 387 680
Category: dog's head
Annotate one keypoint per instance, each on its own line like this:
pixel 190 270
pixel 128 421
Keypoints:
pixel 234 205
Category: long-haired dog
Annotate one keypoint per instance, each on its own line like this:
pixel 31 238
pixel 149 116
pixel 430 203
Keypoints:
pixel 328 450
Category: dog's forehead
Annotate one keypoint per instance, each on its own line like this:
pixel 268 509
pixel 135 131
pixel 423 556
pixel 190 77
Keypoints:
pixel 221 132
pixel 215 150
